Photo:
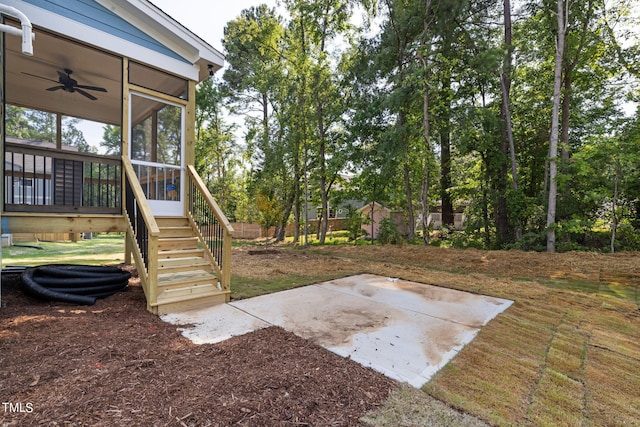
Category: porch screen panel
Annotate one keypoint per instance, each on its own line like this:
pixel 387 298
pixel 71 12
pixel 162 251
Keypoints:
pixel 156 148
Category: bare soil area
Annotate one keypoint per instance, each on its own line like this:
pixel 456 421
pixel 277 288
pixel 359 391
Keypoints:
pixel 115 364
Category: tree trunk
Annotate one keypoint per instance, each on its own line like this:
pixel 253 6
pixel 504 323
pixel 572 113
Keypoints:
pixel 445 141
pixel 426 170
pixel 563 148
pixel 553 137
pixel 570 64
pixel 288 207
pixel 505 85
pixel 322 155
pixel 297 204
pixel 324 189
pixel 614 202
pixel 485 215
pixel 503 233
pixel 411 226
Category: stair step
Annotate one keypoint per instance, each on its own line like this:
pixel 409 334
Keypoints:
pixel 170 301
pixel 181 253
pixel 175 243
pixel 188 264
pixel 169 232
pixel 186 261
pixel 172 221
pixel 194 290
pixel 184 279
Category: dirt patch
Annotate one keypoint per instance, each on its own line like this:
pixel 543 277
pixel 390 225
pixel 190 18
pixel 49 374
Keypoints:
pixel 263 252
pixel 623 267
pixel 115 364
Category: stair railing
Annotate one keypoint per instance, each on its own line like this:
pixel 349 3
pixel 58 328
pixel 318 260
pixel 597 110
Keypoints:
pixel 214 231
pixel 142 233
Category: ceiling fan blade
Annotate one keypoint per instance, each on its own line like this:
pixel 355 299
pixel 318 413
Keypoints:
pixel 39 77
pixel 63 76
pixel 68 84
pixel 96 88
pixel 87 94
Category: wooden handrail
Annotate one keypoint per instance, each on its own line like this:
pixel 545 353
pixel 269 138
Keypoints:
pixel 222 249
pixel 147 268
pixel 149 219
pixel 18 148
pixel 202 188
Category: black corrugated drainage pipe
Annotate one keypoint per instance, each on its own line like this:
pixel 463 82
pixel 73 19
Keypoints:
pixel 78 284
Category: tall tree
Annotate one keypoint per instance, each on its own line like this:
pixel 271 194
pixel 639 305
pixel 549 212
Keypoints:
pixel 317 25
pixel 216 158
pixel 507 143
pixel 553 137
pixel 256 81
pixel 401 31
pixel 423 53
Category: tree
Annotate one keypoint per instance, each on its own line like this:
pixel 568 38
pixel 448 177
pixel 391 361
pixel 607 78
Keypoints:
pixel 433 105
pixel 111 140
pixel 216 158
pixel 35 125
pixel 507 129
pixel 256 82
pixel 423 53
pixel 553 137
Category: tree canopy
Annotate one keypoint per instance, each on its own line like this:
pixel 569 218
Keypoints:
pixel 437 106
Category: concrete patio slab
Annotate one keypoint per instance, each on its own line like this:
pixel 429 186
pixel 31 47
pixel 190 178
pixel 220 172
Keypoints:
pixel 405 330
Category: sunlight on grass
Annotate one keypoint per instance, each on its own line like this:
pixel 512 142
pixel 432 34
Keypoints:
pixel 101 249
pixel 243 287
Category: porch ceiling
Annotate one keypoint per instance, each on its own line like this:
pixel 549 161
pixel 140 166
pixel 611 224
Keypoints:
pixel 52 54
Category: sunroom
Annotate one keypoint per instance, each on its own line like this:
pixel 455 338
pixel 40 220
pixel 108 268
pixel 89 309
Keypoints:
pixel 98 136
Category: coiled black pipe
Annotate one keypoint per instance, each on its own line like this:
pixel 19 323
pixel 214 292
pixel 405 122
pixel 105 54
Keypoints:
pixel 74 271
pixel 69 282
pixel 35 289
pixel 89 290
pixel 74 284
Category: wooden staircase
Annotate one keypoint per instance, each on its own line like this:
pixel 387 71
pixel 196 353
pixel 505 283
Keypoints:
pixel 187 277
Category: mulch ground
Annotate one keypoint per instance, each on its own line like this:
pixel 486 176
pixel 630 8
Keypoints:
pixel 114 363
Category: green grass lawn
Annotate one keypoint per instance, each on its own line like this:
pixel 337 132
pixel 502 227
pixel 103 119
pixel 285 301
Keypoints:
pixel 100 250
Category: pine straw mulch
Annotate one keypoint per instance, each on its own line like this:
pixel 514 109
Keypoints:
pixel 115 364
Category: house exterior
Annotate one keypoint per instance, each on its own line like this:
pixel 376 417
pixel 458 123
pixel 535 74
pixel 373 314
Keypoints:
pixel 435 220
pixel 374 213
pixel 130 71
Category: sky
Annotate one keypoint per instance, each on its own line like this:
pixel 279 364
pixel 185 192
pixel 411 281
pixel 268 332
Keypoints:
pixel 207 18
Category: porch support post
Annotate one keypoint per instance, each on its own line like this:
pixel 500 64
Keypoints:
pixel 226 265
pixel 189 140
pixel 58 131
pixel 124 147
pixel 153 271
pixel 127 252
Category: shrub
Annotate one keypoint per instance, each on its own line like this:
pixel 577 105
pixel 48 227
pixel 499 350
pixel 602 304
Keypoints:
pixel 388 232
pixel 354 223
pixel 627 238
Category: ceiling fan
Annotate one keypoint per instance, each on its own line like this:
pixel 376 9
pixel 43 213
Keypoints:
pixel 69 84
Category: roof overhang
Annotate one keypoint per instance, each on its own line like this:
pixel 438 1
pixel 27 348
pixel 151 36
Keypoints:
pixel 162 27
pixel 198 54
